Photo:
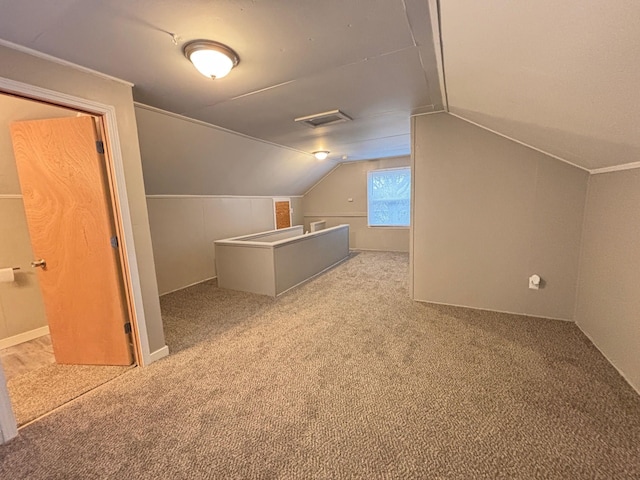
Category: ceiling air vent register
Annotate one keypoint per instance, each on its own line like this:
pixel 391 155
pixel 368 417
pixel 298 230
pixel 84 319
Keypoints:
pixel 324 119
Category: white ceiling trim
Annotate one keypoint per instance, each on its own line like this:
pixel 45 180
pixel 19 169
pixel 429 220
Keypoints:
pixel 434 15
pixel 59 61
pixel 322 179
pixel 615 168
pixel 215 127
pixel 520 142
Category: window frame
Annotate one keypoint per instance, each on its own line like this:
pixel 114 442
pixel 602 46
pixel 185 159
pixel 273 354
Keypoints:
pixel 369 175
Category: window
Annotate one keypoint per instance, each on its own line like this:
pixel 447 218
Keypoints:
pixel 389 197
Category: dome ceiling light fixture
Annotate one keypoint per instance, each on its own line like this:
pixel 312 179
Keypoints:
pixel 211 59
pixel 321 154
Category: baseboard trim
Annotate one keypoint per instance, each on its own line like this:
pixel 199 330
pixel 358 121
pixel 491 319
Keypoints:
pixel 187 286
pixel 353 249
pixel 622 374
pixel 496 311
pixel 24 337
pixel 158 354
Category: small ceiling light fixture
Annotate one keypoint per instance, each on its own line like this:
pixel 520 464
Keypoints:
pixel 212 59
pixel 321 154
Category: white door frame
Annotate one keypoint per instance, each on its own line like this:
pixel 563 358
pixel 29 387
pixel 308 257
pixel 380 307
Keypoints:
pixel 8 428
pixel 282 199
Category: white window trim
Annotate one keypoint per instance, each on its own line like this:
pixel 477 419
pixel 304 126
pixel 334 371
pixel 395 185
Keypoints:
pixel 395 227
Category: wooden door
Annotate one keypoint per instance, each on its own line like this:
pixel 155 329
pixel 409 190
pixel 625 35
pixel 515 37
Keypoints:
pixel 68 206
pixel 283 213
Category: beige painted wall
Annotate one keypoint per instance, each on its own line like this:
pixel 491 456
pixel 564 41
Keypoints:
pixel 43 73
pixel 183 230
pixel 328 200
pixel 185 225
pixel 608 301
pixel 555 75
pixel 21 306
pixel 181 156
pixel 488 213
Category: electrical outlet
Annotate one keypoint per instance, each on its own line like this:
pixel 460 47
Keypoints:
pixel 534 282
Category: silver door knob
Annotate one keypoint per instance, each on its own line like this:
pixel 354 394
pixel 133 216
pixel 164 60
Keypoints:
pixel 39 263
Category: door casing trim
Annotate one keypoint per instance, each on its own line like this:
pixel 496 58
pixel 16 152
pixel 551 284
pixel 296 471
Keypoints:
pixel 131 274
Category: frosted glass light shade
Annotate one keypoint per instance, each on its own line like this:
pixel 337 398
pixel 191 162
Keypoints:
pixel 321 155
pixel 211 59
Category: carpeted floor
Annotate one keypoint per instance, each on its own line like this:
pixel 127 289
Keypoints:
pixel 345 377
pixel 40 391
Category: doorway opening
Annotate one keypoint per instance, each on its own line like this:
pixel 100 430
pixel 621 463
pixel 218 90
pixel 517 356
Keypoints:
pixel 48 361
pixel 282 212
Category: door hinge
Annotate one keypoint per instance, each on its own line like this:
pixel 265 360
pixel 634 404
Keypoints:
pixel 100 146
pixel 127 327
pixel 114 241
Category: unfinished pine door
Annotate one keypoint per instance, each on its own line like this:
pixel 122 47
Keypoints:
pixel 67 202
pixel 282 213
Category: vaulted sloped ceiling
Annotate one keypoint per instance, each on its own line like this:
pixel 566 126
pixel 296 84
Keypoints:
pixel 373 59
pixel 561 76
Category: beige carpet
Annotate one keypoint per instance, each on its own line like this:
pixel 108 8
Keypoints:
pixel 40 391
pixel 345 377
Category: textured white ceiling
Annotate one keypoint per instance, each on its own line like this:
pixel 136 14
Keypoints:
pixel 372 59
pixel 560 76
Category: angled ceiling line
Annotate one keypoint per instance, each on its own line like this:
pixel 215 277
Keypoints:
pixel 520 142
pixel 322 178
pixel 303 77
pixel 415 44
pixel 372 159
pixel 209 105
pixel 262 90
pixel 424 73
pixel 427 113
pixel 59 61
pixel 615 168
pixel 376 138
pixel 392 112
pixel 216 127
pixel 406 16
pixel 435 15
